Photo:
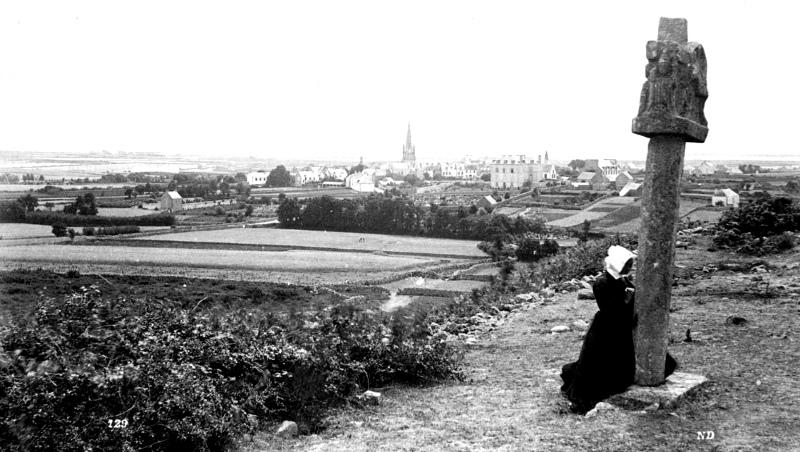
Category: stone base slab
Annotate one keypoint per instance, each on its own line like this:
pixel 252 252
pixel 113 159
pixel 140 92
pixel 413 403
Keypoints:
pixel 666 395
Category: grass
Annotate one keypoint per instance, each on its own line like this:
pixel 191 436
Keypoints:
pixel 124 212
pixel 293 261
pixel 511 400
pixel 11 231
pixel 335 240
pixel 21 289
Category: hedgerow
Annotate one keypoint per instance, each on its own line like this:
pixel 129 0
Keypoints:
pixel 50 218
pixel 93 371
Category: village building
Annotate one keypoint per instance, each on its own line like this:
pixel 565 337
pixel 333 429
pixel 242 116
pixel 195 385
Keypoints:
pixel 171 201
pixel 305 177
pixel 585 177
pixel 608 167
pixel 334 173
pixel 599 181
pixel 257 177
pixel 486 201
pixel 515 171
pixel 726 196
pixel 361 182
pixel 703 169
pixel 623 179
pixel 549 172
pixel 632 189
pixel 632 168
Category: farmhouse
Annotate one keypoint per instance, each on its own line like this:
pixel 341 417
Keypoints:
pixel 726 196
pixel 257 178
pixel 623 179
pixel 486 201
pixel 631 189
pixel 171 201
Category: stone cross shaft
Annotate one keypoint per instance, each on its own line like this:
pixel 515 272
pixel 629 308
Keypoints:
pixel 670 114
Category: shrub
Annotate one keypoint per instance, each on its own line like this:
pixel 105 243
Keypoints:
pixel 758 227
pixel 186 380
pixel 88 231
pixel 51 218
pixel 531 250
pixel 587 258
pixel 59 230
pixel 117 230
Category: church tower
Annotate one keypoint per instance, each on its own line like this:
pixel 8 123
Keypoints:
pixel 409 150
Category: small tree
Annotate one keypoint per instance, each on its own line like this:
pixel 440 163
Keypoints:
pixel 289 213
pixel 59 230
pixel 29 202
pixel 248 210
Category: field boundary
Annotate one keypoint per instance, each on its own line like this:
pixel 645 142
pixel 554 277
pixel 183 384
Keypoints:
pixel 253 247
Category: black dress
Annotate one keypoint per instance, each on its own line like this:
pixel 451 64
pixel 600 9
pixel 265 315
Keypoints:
pixel 606 364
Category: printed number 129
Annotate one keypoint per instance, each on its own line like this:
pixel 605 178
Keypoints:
pixel 117 423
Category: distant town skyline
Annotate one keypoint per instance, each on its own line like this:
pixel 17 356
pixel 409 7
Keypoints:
pixel 323 80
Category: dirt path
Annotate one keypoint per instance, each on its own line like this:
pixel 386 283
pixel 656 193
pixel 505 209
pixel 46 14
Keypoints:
pixel 511 401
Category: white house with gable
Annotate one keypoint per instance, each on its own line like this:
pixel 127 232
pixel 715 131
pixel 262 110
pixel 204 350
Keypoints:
pixel 726 196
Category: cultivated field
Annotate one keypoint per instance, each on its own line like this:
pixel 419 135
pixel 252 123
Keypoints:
pixel 123 212
pixel 11 231
pixel 333 240
pixel 289 261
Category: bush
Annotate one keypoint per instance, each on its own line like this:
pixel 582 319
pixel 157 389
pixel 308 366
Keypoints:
pixel 186 380
pixel 117 230
pixel 51 218
pixel 88 231
pixel 587 258
pixel 531 250
pixel 758 227
pixel 59 230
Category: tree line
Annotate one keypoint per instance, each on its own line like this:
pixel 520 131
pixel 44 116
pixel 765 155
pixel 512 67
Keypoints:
pixel 395 215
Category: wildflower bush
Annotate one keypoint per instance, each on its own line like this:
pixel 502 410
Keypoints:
pixel 93 371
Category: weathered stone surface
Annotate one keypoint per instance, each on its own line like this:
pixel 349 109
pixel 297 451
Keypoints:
pixel 667 396
pixel 599 408
pixel 670 113
pixel 585 294
pixel 580 325
pixel 674 95
pixel 371 397
pixel 288 428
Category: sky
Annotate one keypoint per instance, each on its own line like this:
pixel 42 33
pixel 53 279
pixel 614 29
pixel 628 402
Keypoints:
pixel 343 79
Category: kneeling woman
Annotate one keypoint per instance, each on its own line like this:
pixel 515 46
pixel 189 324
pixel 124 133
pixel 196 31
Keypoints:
pixel 606 364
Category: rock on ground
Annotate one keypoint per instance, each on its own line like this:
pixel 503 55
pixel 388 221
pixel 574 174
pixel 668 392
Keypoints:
pixel 288 428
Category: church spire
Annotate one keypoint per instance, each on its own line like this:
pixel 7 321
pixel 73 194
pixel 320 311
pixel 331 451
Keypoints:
pixel 408 150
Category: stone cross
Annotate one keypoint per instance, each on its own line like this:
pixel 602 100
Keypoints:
pixel 670 114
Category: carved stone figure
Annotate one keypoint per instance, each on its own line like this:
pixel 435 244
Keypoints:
pixel 674 95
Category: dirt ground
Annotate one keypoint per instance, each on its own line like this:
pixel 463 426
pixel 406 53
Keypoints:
pixel 510 400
